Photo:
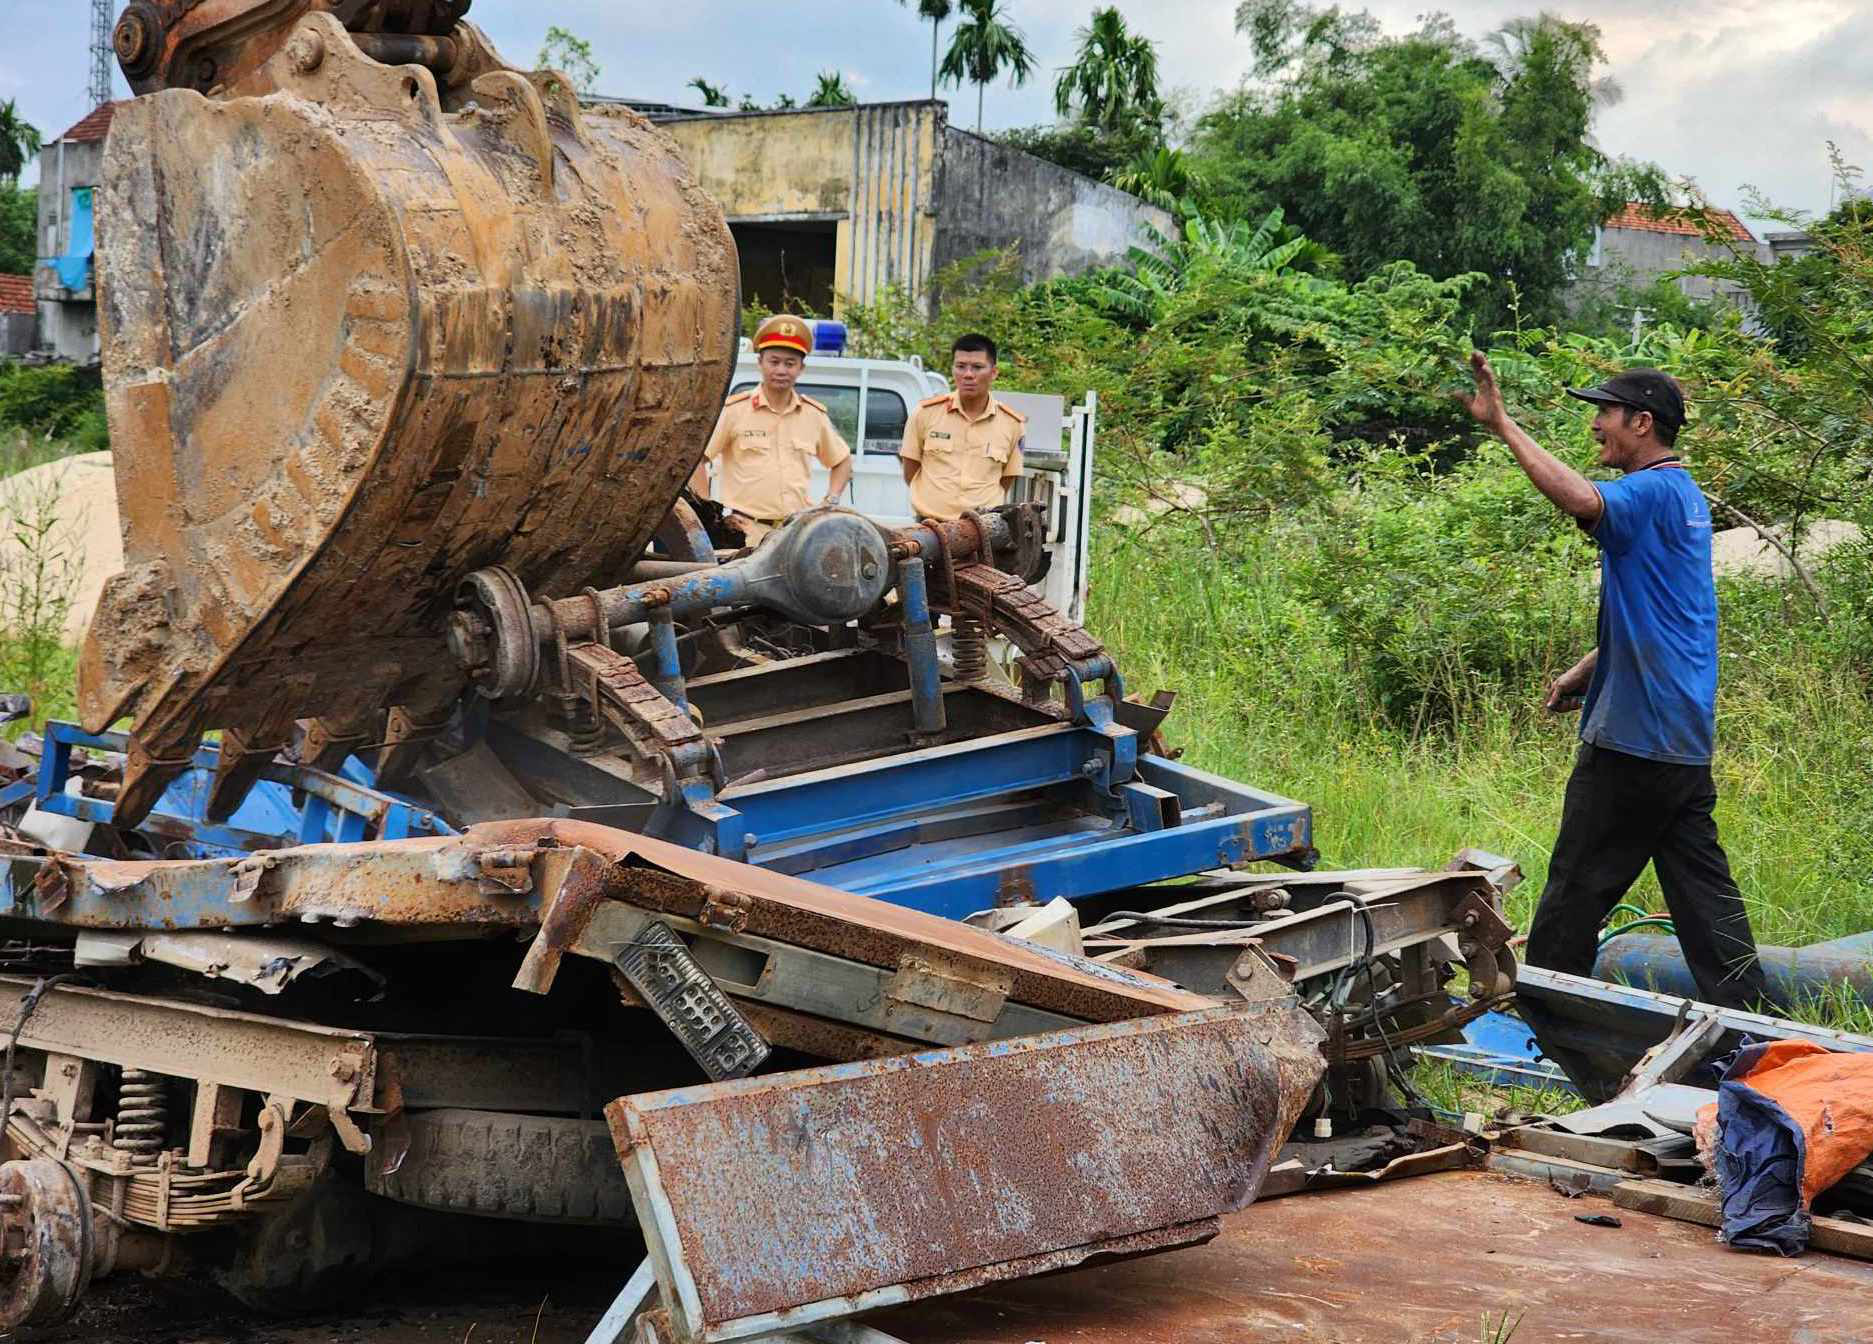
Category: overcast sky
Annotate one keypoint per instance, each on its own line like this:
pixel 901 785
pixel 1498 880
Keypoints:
pixel 1728 92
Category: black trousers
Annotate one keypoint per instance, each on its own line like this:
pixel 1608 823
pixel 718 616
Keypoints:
pixel 1622 812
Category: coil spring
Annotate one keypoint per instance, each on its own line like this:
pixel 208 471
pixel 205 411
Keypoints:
pixel 969 646
pixel 142 1117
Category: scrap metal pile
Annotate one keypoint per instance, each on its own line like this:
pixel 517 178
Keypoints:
pixel 488 855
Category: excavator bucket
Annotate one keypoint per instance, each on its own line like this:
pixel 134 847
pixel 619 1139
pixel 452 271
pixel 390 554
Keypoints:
pixel 367 328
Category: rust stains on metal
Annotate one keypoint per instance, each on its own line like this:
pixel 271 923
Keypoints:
pixel 46 1241
pixel 942 1170
pixel 1421 1260
pixel 363 335
pixel 1015 887
pixel 659 876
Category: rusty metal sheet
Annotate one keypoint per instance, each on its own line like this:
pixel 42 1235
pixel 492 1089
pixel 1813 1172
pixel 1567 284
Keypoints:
pixel 1423 1262
pixel 659 876
pixel 774 1202
pixel 554 874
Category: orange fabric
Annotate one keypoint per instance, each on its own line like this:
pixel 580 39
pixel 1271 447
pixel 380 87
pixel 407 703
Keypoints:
pixel 1830 1095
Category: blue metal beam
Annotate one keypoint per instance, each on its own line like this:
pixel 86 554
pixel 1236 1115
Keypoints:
pixel 915 782
pixel 292 804
pixel 1088 864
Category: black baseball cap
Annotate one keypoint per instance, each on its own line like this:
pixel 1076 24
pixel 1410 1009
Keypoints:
pixel 1642 390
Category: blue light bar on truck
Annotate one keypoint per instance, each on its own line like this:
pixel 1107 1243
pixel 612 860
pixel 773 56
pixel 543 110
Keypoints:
pixel 829 337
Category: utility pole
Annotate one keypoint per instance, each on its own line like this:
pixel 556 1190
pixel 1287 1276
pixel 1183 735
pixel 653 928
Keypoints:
pixel 103 56
pixel 1638 321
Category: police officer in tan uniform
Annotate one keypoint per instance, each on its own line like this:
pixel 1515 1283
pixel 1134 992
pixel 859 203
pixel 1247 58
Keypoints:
pixel 767 439
pixel 961 449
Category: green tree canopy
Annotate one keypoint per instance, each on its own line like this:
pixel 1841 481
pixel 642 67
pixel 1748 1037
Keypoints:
pixel 982 47
pixel 19 141
pixel 1113 81
pixel 571 55
pixel 831 91
pixel 1425 147
pixel 713 95
pixel 1084 149
pixel 19 226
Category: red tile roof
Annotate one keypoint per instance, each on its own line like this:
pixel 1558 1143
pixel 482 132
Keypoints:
pixel 16 294
pixel 93 125
pixel 1633 215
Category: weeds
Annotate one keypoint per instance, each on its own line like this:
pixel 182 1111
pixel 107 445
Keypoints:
pixel 1449 1089
pixel 1276 692
pixel 39 569
pixel 21 450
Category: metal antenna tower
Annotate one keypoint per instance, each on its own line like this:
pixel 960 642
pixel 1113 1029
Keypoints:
pixel 103 56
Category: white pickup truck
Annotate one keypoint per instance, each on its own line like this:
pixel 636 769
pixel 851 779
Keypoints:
pixel 871 399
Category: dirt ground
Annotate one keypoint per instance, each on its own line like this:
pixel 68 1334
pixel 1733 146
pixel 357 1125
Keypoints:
pixel 1436 1259
pixel 486 1304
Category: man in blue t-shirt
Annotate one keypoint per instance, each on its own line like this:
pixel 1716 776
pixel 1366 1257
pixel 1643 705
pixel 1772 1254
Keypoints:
pixel 1641 790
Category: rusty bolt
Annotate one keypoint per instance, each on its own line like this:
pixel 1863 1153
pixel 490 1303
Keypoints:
pixel 657 597
pixel 307 52
pixel 343 1069
pixel 132 40
pixel 1469 920
pixel 205 72
pixel 470 640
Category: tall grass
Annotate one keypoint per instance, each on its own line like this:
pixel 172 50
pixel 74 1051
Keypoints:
pixel 40 562
pixel 1268 696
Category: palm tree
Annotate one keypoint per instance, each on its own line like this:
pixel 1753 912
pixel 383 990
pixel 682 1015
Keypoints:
pixel 1162 266
pixel 1576 48
pixel 712 95
pixel 1165 178
pixel 831 91
pixel 936 11
pixel 983 45
pixel 1113 78
pixel 19 141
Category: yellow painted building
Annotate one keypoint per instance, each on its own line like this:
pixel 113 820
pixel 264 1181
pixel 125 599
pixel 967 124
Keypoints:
pixel 831 205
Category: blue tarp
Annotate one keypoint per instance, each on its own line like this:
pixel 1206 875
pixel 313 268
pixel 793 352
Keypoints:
pixel 74 268
pixel 1759 1163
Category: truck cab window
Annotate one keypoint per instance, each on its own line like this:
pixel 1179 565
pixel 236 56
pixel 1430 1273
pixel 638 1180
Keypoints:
pixel 885 416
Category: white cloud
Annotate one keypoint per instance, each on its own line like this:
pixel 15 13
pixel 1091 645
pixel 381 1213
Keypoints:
pixel 1725 91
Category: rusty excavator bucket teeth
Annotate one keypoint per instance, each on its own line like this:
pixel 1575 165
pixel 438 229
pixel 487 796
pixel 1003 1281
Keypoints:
pixel 367 328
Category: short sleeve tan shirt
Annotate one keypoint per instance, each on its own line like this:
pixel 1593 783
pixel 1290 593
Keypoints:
pixel 966 460
pixel 764 458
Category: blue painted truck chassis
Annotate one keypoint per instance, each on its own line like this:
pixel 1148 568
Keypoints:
pixel 948 830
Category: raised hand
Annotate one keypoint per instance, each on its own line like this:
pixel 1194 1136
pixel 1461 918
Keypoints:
pixel 1485 404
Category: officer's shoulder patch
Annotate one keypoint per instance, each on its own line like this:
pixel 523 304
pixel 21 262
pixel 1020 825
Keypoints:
pixel 819 406
pixel 938 400
pixel 739 397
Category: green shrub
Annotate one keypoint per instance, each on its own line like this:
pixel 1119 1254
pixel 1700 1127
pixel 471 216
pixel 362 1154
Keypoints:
pixel 53 399
pixel 1443 591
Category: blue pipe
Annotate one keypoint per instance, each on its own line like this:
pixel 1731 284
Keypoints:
pixel 920 649
pixel 667 663
pixel 1793 974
